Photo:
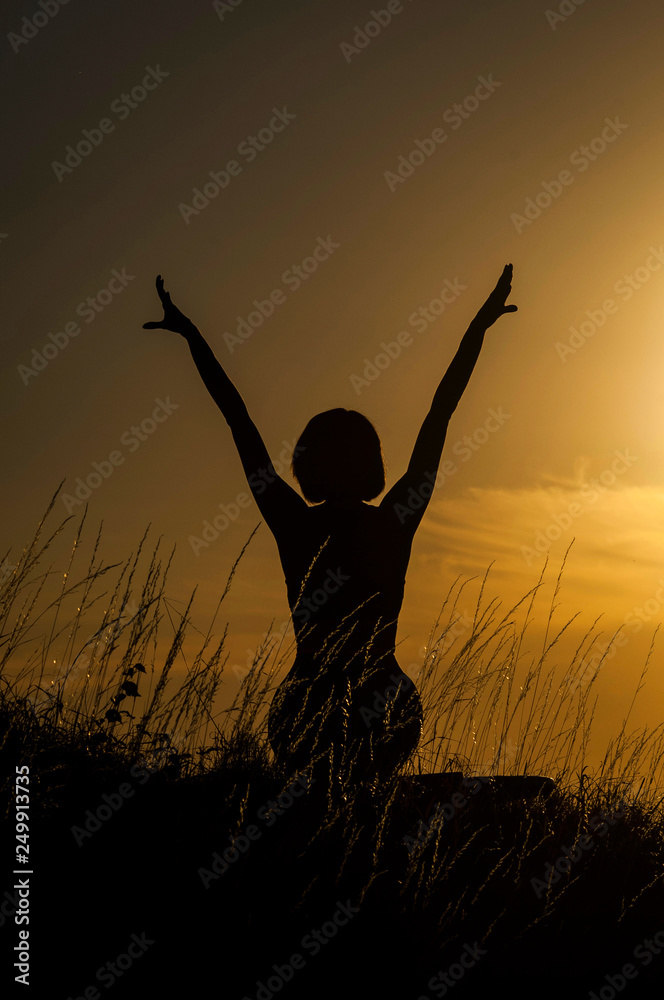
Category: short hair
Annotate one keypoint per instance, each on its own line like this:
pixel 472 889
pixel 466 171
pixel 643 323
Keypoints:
pixel 339 455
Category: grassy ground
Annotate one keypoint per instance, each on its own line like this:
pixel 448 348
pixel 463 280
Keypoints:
pixel 171 857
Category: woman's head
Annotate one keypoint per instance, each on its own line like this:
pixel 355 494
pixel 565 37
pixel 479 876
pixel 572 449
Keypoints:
pixel 338 457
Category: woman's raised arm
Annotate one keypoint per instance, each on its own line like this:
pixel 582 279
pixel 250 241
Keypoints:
pixel 275 498
pixel 410 495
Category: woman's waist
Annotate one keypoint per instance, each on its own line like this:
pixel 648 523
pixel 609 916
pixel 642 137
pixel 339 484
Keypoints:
pixel 346 597
pixel 366 639
pixel 358 666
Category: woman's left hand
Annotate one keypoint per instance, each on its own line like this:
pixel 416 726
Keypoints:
pixel 173 319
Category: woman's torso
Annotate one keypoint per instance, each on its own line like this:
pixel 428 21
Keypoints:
pixel 345 569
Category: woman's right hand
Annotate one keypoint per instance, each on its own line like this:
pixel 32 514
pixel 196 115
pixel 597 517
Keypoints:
pixel 173 319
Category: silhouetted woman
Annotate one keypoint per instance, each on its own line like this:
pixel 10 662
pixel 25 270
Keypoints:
pixel 346 706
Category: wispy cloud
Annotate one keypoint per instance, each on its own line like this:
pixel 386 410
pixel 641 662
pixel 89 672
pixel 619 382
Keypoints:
pixel 618 551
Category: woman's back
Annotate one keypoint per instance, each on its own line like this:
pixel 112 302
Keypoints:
pixel 345 568
pixel 345 702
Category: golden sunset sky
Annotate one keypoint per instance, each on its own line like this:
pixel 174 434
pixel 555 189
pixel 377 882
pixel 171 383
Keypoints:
pixel 416 158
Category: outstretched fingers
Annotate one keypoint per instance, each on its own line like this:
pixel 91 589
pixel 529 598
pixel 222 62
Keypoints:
pixel 173 319
pixel 506 276
pixel 504 286
pixel 163 295
pixel 165 299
